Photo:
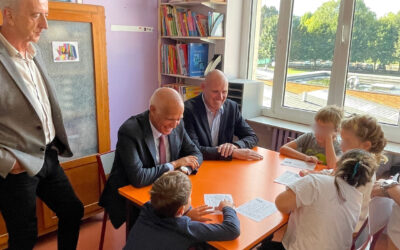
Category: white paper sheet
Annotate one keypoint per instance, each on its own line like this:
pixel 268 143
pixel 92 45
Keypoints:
pixel 257 209
pixel 213 200
pixel 287 178
pixel 298 164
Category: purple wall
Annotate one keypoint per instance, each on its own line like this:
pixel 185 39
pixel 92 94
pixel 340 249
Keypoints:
pixel 131 57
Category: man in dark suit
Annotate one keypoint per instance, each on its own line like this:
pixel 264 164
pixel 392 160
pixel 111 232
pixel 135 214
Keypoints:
pixel 32 134
pixel 149 144
pixel 212 121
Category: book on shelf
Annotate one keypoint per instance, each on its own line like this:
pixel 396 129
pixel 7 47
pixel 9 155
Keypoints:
pixel 216 24
pixel 222 1
pixel 183 58
pixel 187 91
pixel 197 58
pixel 186 59
pixel 174 59
pixel 215 63
pixel 178 21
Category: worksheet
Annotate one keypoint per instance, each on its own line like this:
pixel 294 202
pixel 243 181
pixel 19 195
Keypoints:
pixel 287 178
pixel 213 200
pixel 257 209
pixel 298 164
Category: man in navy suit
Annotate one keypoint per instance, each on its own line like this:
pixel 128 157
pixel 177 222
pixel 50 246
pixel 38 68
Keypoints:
pixel 212 121
pixel 150 144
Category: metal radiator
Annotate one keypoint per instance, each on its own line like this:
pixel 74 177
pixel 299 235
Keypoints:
pixel 281 136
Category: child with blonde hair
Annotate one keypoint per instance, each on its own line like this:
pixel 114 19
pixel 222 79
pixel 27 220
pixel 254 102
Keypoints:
pixel 364 132
pixel 163 224
pixel 321 145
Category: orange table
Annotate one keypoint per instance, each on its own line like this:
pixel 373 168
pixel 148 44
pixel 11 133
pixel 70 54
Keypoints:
pixel 245 180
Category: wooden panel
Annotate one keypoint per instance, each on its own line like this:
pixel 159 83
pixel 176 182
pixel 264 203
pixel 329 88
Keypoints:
pixel 3 232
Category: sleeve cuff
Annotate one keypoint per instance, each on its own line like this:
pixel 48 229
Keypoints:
pixel 170 166
pixel 239 144
pixel 9 163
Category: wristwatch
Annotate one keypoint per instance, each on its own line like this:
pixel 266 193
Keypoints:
pixel 186 170
pixel 386 184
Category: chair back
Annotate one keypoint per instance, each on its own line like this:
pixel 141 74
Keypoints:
pixel 362 238
pixel 380 209
pixel 105 162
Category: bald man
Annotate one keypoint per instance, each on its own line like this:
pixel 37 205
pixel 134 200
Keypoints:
pixel 149 144
pixel 212 121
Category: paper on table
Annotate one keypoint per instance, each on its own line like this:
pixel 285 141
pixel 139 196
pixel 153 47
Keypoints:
pixel 298 164
pixel 213 200
pixel 257 209
pixel 287 178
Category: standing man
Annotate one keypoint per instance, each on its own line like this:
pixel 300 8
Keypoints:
pixel 32 134
pixel 211 121
pixel 150 144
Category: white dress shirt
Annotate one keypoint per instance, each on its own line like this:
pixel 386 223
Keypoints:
pixel 156 137
pixel 214 121
pixel 35 84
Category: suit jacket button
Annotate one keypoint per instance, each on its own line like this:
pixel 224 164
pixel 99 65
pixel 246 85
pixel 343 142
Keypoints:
pixel 42 149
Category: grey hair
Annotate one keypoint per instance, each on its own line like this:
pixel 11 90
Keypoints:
pixel 8 3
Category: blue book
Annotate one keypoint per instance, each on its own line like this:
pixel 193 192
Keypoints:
pixel 197 58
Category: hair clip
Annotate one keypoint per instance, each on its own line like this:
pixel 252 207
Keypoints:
pixel 355 170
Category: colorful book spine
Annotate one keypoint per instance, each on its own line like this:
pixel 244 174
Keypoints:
pixel 186 91
pixel 198 58
pixel 183 22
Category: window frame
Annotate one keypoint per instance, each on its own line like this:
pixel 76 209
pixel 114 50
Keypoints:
pixel 339 71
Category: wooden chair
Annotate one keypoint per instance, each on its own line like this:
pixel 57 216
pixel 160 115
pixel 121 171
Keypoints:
pixel 380 209
pixel 362 238
pixel 105 162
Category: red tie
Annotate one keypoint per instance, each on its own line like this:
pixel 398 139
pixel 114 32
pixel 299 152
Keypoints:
pixel 161 150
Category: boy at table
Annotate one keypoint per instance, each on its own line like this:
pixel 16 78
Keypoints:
pixel 162 223
pixel 321 145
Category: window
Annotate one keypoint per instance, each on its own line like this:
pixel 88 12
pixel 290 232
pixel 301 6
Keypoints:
pixel 373 80
pixel 264 58
pixel 313 53
pixel 313 31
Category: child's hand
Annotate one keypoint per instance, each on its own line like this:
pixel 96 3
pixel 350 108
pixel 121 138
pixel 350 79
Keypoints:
pixel 312 159
pixel 330 137
pixel 198 213
pixel 303 172
pixel 225 203
pixel 377 190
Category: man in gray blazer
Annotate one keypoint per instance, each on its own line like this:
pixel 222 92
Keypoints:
pixel 32 134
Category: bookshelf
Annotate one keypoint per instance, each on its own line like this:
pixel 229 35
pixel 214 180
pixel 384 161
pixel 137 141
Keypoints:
pixel 208 4
pixel 216 44
pixel 184 77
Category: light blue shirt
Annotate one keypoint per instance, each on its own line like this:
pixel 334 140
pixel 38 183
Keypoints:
pixel 214 120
